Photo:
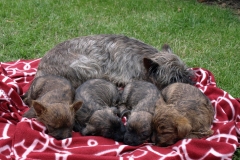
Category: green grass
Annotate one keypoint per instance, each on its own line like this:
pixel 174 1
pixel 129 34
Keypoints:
pixel 203 36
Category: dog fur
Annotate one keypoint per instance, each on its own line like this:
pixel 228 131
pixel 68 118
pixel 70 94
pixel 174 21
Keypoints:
pixel 183 111
pixel 116 58
pixel 98 114
pixel 50 99
pixel 138 103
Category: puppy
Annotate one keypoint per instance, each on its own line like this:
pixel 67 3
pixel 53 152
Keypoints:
pixel 183 111
pixel 50 99
pixel 138 103
pixel 116 58
pixel 98 114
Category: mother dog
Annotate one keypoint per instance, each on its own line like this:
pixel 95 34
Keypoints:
pixel 116 58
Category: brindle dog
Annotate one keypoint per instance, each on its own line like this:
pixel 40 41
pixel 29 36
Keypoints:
pixel 98 115
pixel 116 58
pixel 50 99
pixel 183 111
pixel 138 103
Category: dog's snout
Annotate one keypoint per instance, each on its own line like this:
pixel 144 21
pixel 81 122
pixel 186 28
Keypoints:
pixel 127 140
pixel 60 135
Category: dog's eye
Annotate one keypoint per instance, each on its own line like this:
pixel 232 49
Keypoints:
pixel 165 133
pixel 161 128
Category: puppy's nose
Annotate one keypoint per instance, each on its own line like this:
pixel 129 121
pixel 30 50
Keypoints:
pixel 118 138
pixel 127 140
pixel 62 135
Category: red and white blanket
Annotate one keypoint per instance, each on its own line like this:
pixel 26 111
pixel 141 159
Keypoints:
pixel 22 138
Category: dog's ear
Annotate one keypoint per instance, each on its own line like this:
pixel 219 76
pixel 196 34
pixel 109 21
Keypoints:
pixel 76 105
pixel 183 127
pixel 88 130
pixel 150 65
pixel 38 107
pixel 166 48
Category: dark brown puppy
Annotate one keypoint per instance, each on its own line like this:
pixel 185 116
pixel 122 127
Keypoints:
pixel 50 99
pixel 138 101
pixel 183 111
pixel 116 58
pixel 98 116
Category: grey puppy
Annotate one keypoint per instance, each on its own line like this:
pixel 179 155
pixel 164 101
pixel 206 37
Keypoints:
pixel 116 58
pixel 50 99
pixel 98 114
pixel 138 103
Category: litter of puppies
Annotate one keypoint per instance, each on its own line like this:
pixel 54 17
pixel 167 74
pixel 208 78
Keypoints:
pixel 108 77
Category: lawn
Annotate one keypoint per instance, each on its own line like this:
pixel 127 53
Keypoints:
pixel 203 36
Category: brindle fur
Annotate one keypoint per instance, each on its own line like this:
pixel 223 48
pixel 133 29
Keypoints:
pixel 116 58
pixel 183 111
pixel 140 98
pixel 98 116
pixel 50 99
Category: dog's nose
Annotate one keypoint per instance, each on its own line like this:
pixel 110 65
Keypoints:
pixel 118 138
pixel 61 135
pixel 127 140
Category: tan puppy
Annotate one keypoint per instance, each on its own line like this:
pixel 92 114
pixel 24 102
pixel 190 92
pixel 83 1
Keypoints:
pixel 50 99
pixel 183 111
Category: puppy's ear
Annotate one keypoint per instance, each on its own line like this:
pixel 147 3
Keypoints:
pixel 39 108
pixel 150 65
pixel 76 105
pixel 88 130
pixel 183 127
pixel 166 48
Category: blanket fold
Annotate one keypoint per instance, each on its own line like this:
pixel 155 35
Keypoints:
pixel 22 138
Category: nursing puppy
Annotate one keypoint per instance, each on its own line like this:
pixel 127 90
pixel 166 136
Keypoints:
pixel 98 114
pixel 138 103
pixel 50 99
pixel 116 58
pixel 183 111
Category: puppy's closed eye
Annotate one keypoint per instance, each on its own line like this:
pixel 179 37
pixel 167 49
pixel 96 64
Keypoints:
pixel 165 129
